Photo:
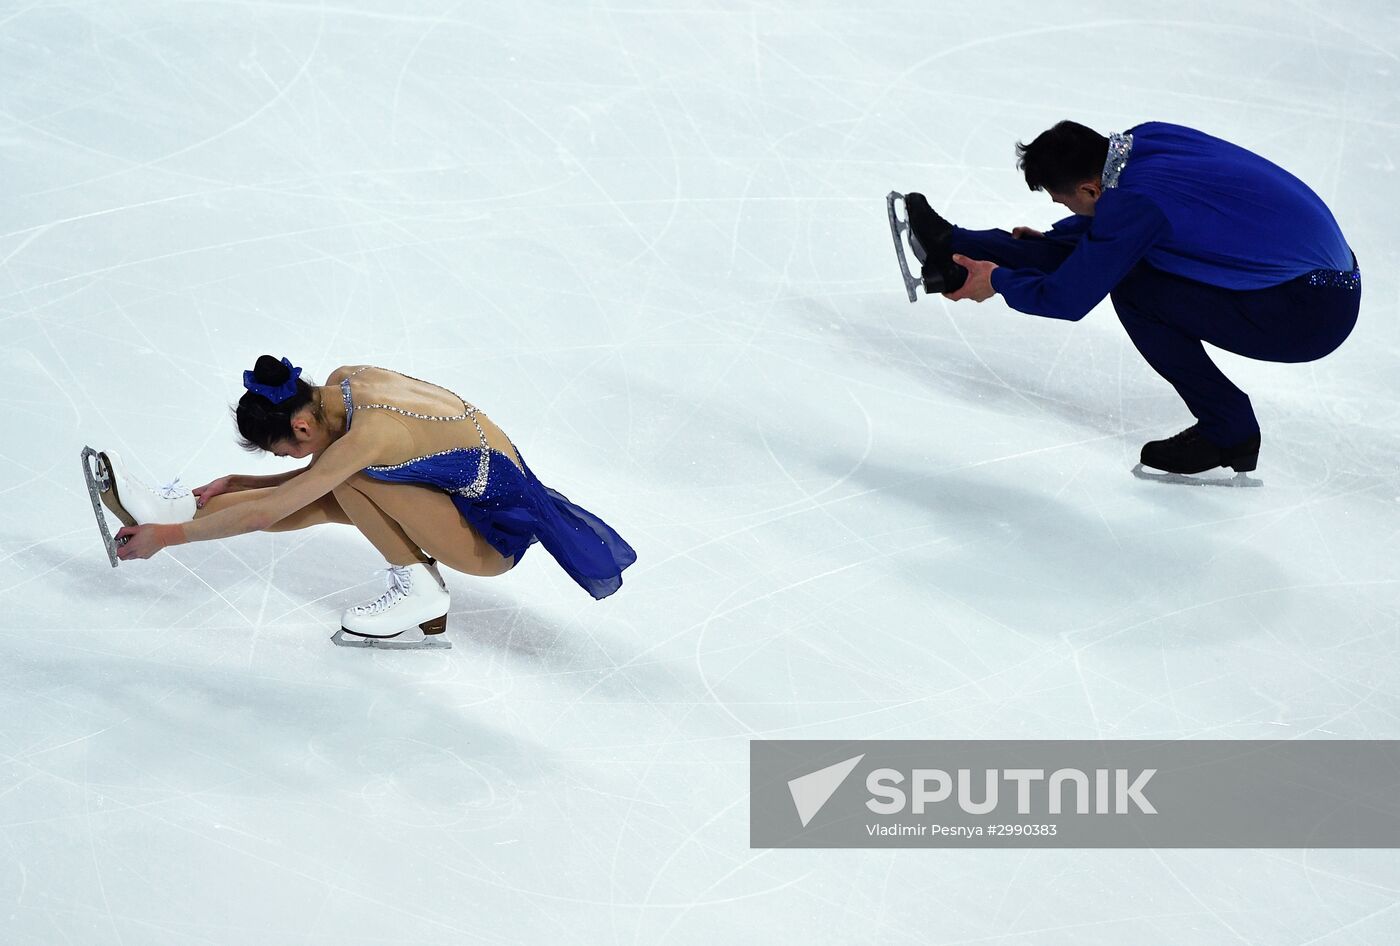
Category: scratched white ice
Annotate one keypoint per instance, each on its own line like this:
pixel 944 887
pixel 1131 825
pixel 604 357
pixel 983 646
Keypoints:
pixel 650 241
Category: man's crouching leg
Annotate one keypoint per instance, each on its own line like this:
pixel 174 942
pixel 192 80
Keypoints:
pixel 1161 314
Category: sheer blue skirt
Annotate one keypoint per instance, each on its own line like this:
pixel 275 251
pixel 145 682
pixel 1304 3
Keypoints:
pixel 512 510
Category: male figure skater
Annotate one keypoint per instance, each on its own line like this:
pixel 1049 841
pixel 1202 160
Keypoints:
pixel 1193 238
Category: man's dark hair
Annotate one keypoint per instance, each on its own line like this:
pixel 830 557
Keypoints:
pixel 1062 157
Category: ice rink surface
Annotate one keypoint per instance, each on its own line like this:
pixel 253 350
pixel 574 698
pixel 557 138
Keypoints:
pixel 649 240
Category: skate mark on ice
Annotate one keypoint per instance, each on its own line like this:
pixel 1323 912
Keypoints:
pixel 133 166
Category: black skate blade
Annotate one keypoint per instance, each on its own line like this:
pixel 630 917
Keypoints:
pixel 1182 479
pixel 89 457
pixel 899 227
pixel 344 638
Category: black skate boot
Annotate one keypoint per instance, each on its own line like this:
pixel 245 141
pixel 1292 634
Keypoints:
pixel 1190 452
pixel 930 237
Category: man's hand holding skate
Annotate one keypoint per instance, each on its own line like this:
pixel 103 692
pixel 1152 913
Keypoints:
pixel 978 287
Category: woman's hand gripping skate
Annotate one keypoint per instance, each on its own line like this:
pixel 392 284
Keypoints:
pixel 202 494
pixel 144 541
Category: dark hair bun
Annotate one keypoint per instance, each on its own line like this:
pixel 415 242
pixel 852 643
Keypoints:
pixel 271 371
pixel 261 424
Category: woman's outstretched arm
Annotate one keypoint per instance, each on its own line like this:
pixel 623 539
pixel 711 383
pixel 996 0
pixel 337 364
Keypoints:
pixel 239 482
pixel 358 448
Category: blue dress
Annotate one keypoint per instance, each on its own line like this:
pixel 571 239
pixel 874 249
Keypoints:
pixel 508 506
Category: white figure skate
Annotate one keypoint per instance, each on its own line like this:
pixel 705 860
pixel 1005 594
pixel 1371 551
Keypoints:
pixel 129 499
pixel 416 595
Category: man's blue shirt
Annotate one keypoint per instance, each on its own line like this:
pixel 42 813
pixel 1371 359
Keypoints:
pixel 1192 205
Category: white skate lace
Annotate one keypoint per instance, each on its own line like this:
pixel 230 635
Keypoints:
pixel 400 583
pixel 171 490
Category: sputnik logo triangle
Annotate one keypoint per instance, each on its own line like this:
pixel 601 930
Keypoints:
pixel 810 792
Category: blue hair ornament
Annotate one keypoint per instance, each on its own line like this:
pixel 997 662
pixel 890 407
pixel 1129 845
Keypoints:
pixel 278 393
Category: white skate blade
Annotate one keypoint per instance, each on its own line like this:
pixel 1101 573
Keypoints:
pixel 898 228
pixel 1182 479
pixel 343 638
pixel 94 488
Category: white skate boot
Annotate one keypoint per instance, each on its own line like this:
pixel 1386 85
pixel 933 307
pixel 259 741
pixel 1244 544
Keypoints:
pixel 129 499
pixel 416 595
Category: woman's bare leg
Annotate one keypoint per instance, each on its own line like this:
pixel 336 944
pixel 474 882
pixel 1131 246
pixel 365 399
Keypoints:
pixel 406 523
pixel 322 511
pixel 409 523
pixel 383 532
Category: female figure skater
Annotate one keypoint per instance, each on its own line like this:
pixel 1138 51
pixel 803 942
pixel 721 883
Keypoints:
pixel 424 475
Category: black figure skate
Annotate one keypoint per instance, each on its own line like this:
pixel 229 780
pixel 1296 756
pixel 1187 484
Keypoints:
pixel 930 241
pixel 1181 457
